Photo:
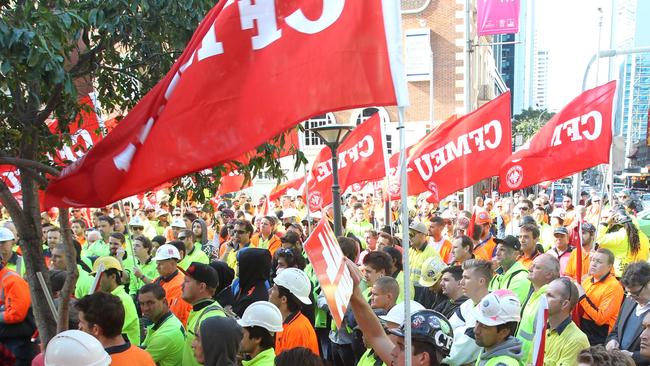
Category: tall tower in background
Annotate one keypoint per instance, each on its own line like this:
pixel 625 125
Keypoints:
pixel 540 82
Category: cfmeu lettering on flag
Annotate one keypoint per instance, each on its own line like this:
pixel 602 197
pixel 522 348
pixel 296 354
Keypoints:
pixel 480 139
pixel 261 16
pixel 362 149
pixel 325 255
pixel 578 127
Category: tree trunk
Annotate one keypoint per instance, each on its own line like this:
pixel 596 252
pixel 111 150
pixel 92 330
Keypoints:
pixel 71 270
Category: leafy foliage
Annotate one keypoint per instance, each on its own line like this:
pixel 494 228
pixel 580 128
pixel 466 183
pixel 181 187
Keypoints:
pixel 53 52
pixel 529 121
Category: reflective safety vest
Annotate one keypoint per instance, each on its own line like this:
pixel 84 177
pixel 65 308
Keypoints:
pixel 500 360
pixel 526 329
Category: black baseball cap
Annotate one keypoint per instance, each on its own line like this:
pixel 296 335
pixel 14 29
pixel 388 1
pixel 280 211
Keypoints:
pixel 202 273
pixel 509 241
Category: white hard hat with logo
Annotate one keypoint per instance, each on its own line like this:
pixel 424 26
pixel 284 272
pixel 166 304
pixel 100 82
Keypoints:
pixel 75 348
pixel 167 251
pixel 262 314
pixel 498 307
pixel 136 221
pixel 297 282
pixel 6 234
pixel 396 313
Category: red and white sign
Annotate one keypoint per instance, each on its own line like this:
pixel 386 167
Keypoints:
pixel 325 255
pixel 497 16
pixel 360 159
pixel 251 71
pixel 576 138
pixel 461 152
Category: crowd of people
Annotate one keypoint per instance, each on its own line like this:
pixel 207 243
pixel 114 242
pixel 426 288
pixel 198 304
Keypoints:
pixel 230 284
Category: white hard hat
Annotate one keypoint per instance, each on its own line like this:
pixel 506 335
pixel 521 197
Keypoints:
pixel 396 313
pixel 75 348
pixel 6 234
pixel 297 282
pixel 179 223
pixel 136 221
pixel 167 251
pixel 262 314
pixel 498 307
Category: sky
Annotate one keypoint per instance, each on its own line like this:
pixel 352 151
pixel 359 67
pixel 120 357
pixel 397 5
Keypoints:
pixel 568 29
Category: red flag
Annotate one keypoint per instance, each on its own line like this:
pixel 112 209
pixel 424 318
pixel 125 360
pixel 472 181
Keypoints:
pixel 460 153
pixel 232 182
pixel 250 72
pixel 282 189
pixel 84 133
pixel 539 343
pixel 576 138
pixel 326 257
pixel 361 158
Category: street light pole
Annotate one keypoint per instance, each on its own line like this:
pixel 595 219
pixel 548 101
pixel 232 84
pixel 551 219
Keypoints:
pixel 333 136
pixel 336 192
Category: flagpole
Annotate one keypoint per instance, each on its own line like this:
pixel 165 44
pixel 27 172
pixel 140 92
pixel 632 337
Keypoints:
pixel 306 201
pixel 405 235
pixel 468 199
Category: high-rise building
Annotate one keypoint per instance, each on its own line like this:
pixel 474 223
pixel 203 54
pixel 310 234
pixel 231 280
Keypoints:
pixel 540 80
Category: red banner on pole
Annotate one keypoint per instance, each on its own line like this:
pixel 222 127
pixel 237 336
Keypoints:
pixel 282 189
pixel 497 16
pixel 250 72
pixel 361 158
pixel 576 138
pixel 232 182
pixel 325 255
pixel 460 153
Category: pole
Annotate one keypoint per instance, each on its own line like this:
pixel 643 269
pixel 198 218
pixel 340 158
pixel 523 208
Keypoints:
pixel 468 193
pixel 308 218
pixel 630 107
pixel 405 235
pixel 336 191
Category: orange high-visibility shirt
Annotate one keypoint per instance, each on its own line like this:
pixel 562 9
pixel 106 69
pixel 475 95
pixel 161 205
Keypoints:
pixel 129 355
pixel 485 249
pixel 571 266
pixel 602 300
pixel 173 291
pixel 297 332
pixel 14 296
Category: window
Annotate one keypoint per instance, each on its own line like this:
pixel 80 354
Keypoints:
pixel 389 145
pixel 311 138
pixel 362 115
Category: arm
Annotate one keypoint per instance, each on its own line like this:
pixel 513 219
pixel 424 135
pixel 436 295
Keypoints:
pixel 368 322
pixel 17 301
pixel 607 309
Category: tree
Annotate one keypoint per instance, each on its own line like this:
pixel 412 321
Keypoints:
pixel 529 121
pixel 52 53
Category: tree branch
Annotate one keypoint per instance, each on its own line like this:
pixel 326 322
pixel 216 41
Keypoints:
pixel 9 201
pixel 30 164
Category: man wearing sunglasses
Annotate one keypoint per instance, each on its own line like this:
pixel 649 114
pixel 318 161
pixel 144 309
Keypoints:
pixel 564 340
pixel 241 238
pixel 627 330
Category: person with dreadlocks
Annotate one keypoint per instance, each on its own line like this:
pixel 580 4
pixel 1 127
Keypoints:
pixel 625 240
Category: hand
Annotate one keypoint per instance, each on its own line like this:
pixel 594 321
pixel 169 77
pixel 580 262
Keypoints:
pixel 137 272
pixel 613 344
pixel 355 272
pixel 120 253
pixel 628 353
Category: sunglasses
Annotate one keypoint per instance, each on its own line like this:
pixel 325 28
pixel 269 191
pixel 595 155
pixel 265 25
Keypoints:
pixel 134 228
pixel 240 232
pixel 182 237
pixel 568 284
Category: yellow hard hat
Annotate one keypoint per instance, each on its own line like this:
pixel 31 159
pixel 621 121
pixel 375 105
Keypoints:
pixel 108 262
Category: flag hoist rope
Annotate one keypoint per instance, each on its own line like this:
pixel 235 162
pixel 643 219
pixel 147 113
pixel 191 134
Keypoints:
pixel 404 218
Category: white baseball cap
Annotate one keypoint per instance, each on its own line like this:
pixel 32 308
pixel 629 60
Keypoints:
pixel 167 251
pixel 179 223
pixel 396 313
pixel 262 314
pixel 297 282
pixel 498 307
pixel 6 234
